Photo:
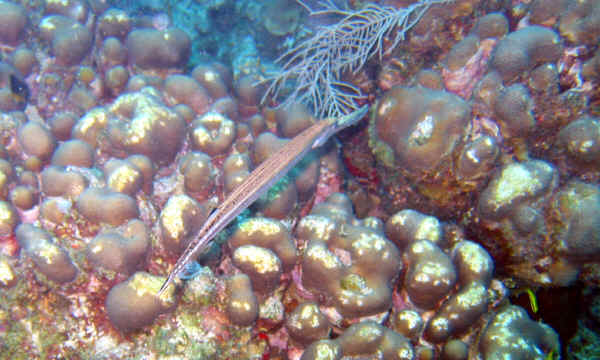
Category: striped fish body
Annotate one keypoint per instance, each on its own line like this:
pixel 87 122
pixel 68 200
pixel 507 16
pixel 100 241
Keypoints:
pixel 258 182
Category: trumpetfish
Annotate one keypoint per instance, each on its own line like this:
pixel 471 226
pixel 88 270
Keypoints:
pixel 258 182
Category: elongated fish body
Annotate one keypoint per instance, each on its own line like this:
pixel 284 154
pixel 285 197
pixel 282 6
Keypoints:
pixel 258 182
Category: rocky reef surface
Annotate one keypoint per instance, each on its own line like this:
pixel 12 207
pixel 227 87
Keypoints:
pixel 459 220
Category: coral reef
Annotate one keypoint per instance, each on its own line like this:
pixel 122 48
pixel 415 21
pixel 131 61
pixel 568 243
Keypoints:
pixel 433 229
pixel 133 304
pixel 511 326
pixel 49 258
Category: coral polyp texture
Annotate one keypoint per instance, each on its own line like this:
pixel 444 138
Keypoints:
pixel 459 219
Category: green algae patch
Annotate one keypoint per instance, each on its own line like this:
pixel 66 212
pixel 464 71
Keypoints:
pixel 382 151
pixel 14 344
pixel 188 339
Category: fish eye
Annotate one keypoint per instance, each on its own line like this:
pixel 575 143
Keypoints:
pixel 19 87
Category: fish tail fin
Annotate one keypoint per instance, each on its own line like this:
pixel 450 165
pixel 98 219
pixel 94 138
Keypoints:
pixel 164 286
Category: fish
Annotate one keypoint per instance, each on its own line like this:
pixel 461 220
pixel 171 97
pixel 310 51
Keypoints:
pixel 19 89
pixel 258 182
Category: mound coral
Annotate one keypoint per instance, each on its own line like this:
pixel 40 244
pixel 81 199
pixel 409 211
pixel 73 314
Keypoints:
pixel 406 237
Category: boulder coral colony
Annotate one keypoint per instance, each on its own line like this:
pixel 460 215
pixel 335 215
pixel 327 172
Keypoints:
pixel 474 180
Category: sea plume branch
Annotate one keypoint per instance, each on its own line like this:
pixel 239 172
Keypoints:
pixel 316 65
